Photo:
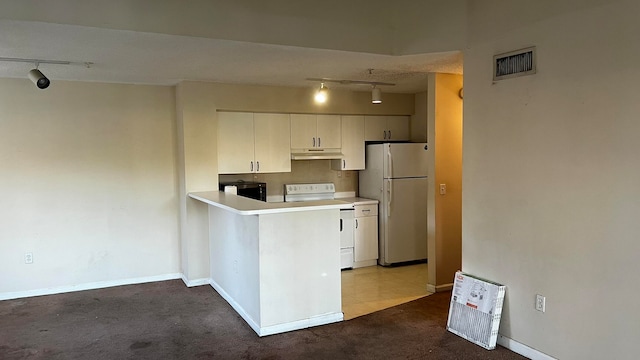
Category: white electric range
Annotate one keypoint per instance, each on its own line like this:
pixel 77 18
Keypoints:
pixel 327 191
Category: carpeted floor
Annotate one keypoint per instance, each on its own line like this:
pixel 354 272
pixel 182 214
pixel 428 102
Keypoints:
pixel 166 320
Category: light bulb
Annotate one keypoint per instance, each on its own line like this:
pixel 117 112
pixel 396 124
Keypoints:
pixel 322 94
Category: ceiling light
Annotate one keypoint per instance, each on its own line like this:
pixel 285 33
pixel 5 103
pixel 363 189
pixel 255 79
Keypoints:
pixel 322 94
pixel 39 79
pixel 35 75
pixel 376 95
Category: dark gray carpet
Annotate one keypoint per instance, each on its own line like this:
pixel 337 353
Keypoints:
pixel 166 320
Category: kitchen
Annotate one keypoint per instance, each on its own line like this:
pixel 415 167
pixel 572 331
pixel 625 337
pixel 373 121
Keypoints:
pixel 231 124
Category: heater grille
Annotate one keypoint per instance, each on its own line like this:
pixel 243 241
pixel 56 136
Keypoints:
pixel 475 310
pixel 513 64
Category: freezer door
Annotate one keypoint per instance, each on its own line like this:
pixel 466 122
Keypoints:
pixel 403 221
pixel 405 160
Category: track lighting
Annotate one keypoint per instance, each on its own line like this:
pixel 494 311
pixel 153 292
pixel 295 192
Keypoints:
pixel 322 94
pixel 376 95
pixel 35 75
pixel 38 78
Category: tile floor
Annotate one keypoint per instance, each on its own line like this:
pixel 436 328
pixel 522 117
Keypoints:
pixel 369 289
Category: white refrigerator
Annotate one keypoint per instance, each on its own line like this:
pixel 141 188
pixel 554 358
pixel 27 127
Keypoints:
pixel 396 176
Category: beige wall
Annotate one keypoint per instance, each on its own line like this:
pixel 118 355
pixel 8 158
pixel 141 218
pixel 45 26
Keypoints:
pixel 444 211
pixel 88 184
pixel 550 173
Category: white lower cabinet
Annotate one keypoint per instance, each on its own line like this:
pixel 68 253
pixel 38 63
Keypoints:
pixel 365 249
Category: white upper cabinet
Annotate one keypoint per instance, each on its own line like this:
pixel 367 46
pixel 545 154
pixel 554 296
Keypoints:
pixel 387 128
pixel 315 131
pixel 253 143
pixel 235 143
pixel 352 144
pixel 272 147
pixel 329 134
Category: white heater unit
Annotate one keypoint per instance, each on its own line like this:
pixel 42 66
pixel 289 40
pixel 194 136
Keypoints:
pixel 476 306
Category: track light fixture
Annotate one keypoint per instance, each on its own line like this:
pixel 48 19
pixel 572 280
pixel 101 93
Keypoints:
pixel 322 94
pixel 376 95
pixel 35 75
pixel 38 78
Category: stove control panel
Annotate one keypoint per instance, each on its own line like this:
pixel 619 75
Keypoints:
pixel 321 188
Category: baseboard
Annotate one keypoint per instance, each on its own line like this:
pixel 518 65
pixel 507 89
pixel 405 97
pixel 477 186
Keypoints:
pixel 439 288
pixel 301 324
pixel 522 349
pixel 239 309
pixel 195 282
pixel 87 286
pixel 359 264
pixel 279 328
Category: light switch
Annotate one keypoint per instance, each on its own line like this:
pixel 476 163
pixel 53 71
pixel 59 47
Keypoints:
pixel 443 189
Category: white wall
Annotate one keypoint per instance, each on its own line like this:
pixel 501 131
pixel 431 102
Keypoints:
pixel 550 175
pixel 88 184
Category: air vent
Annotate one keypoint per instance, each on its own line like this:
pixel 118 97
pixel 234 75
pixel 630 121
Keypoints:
pixel 515 63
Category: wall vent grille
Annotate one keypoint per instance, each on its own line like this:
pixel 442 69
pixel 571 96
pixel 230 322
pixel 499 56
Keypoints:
pixel 475 310
pixel 515 63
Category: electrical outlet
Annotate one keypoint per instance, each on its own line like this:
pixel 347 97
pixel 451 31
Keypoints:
pixel 28 258
pixel 443 189
pixel 540 302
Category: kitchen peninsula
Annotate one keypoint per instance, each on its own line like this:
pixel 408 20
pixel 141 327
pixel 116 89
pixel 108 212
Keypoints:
pixel 276 264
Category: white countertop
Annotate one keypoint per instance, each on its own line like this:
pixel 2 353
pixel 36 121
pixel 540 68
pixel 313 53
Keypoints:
pixel 358 201
pixel 246 206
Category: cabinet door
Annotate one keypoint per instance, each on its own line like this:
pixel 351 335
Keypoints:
pixel 375 128
pixel 272 144
pixel 328 132
pixel 366 238
pixel 352 144
pixel 235 143
pixel 303 131
pixel 398 128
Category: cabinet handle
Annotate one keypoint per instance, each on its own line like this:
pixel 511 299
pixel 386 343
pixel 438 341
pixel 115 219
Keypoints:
pixel 257 165
pixel 344 163
pixel 314 142
pixel 318 142
pixel 356 223
pixel 252 166
pixel 340 225
pixel 366 210
pixel 385 134
pixel 389 134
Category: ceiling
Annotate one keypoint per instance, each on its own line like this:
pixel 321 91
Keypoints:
pixel 122 56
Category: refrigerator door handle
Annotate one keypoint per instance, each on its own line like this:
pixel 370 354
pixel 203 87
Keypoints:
pixel 390 197
pixel 389 164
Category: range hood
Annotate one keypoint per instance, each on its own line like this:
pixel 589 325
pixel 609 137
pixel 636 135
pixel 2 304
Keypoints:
pixel 316 154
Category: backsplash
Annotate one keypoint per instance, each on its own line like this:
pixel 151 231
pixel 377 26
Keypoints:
pixel 302 171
